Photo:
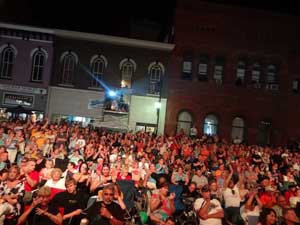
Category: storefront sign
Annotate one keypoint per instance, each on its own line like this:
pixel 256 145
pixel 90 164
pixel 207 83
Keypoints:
pixel 95 103
pixel 24 89
pixel 16 99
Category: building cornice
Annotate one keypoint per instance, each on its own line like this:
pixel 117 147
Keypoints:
pixel 121 41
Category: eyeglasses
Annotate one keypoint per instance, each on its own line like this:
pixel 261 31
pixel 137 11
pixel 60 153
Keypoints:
pixel 233 191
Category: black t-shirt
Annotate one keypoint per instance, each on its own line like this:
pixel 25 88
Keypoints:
pixel 40 166
pixel 35 219
pixel 93 213
pixel 70 203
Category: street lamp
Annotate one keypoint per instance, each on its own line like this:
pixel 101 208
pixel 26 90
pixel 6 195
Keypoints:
pixel 157 105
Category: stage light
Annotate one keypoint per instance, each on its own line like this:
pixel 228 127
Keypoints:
pixel 112 93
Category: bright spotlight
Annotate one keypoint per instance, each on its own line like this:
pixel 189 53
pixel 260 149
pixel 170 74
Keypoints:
pixel 112 93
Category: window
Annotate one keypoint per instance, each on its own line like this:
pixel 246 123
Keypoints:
pixel 240 72
pixel 187 68
pixel 128 67
pixel 256 71
pixel 68 61
pixel 203 68
pixel 271 74
pixel 156 71
pixel 237 132
pixel 264 132
pixel 219 69
pixel 38 63
pixel 210 125
pixel 184 122
pixel 7 62
pixel 98 65
pixel 295 86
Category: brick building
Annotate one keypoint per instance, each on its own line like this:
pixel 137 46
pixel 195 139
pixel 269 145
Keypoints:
pixel 87 69
pixel 234 73
pixel 25 67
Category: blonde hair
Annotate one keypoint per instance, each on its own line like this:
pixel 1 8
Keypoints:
pixel 44 191
pixel 55 170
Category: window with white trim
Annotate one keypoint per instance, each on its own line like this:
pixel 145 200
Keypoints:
pixel 127 70
pixel 68 68
pixel 218 72
pixel 155 82
pixel 256 72
pixel 184 122
pixel 210 125
pixel 7 62
pixel 241 72
pixel 203 68
pixel 38 64
pixel 187 68
pixel 237 132
pixel 97 68
pixel 271 74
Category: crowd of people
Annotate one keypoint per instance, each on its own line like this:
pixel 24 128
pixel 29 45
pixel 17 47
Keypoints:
pixel 66 174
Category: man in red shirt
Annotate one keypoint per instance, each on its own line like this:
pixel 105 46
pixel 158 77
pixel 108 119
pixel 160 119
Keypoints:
pixel 31 180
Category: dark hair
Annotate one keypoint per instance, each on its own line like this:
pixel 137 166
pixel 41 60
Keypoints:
pixel 163 184
pixel 263 215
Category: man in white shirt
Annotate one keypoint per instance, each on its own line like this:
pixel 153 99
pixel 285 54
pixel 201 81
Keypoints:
pixel 210 211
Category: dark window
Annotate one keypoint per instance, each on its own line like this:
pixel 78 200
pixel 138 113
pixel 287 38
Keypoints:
pixel 97 67
pixel 156 73
pixel 68 69
pixel 38 63
pixel 7 62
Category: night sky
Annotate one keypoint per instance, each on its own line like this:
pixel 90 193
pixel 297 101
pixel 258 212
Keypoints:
pixel 111 17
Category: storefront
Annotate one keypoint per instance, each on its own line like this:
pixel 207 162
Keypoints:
pixel 75 105
pixel 33 100
pixel 146 115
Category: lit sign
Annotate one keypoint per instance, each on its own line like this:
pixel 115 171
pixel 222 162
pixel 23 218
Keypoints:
pixel 15 99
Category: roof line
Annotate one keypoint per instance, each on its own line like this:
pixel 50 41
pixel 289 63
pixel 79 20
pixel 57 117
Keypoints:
pixel 95 37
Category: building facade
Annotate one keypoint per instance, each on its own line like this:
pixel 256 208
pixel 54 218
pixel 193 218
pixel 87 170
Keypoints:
pixel 25 67
pixel 234 73
pixel 109 81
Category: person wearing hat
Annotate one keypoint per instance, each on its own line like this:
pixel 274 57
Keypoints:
pixel 209 210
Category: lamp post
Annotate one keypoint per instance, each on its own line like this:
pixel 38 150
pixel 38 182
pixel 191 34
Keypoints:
pixel 158 104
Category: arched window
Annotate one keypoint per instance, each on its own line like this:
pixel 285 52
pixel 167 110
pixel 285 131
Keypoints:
pixel 264 132
pixel 256 71
pixel 98 64
pixel 210 125
pixel 237 132
pixel 38 64
pixel 68 62
pixel 271 74
pixel 127 70
pixel 156 71
pixel 7 62
pixel 240 72
pixel 184 122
